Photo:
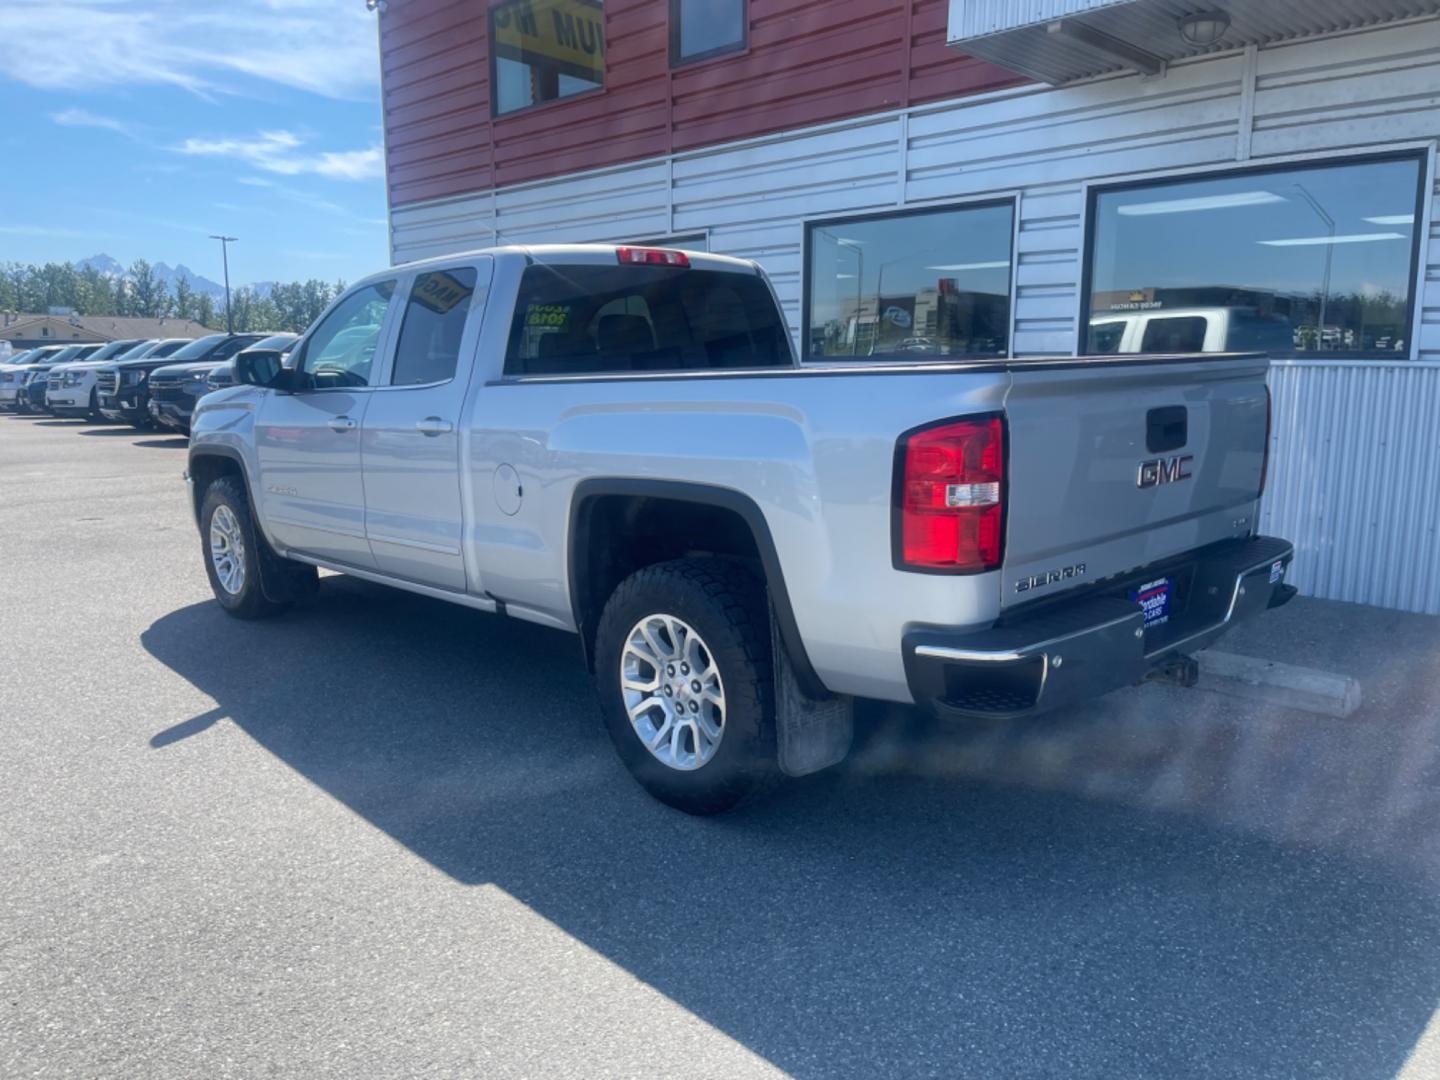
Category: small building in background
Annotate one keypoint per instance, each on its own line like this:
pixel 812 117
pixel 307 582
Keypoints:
pixel 32 331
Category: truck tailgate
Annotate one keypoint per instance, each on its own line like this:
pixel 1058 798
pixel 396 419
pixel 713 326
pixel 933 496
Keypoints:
pixel 1117 464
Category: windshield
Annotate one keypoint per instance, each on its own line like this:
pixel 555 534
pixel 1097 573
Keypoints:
pixel 65 355
pixel 198 349
pixel 167 348
pixel 134 352
pixel 279 342
pixel 115 348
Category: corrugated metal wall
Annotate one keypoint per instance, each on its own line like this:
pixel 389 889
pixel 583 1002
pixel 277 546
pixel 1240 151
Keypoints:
pixel 976 18
pixel 1355 479
pixel 1370 89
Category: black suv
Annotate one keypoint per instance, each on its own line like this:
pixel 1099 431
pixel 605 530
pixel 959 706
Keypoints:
pixel 124 388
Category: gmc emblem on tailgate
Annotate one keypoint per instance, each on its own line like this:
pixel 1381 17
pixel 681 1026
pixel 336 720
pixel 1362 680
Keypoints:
pixel 1159 471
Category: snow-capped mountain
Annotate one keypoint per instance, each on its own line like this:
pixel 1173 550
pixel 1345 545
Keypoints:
pixel 169 275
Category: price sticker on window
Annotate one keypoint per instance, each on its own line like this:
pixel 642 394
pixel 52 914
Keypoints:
pixel 547 316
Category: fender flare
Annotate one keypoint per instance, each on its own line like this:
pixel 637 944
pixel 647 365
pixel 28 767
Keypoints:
pixel 229 452
pixel 586 491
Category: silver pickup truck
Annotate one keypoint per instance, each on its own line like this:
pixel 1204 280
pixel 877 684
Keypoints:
pixel 619 442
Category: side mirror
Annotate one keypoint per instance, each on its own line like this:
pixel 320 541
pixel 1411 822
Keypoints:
pixel 262 367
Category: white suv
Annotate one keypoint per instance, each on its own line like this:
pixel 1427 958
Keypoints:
pixel 71 388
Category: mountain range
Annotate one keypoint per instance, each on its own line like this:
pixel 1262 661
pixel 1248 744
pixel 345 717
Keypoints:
pixel 111 268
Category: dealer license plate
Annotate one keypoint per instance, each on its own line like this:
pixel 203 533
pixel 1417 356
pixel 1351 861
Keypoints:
pixel 1154 600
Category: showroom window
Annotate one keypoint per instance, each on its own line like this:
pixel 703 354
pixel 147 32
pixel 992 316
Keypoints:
pixel 1310 261
pixel 910 285
pixel 700 29
pixel 544 50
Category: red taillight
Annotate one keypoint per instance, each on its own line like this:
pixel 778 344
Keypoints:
pixel 652 257
pixel 951 490
pixel 1269 421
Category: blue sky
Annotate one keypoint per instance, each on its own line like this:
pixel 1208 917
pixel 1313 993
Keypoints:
pixel 139 127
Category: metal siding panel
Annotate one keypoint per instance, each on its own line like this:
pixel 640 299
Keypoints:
pixel 1354 480
pixel 1014 33
pixel 980 18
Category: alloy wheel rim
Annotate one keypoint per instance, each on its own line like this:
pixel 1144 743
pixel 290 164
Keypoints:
pixel 227 550
pixel 673 692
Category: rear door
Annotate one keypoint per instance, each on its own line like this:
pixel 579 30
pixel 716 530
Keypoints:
pixel 1117 464
pixel 410 440
pixel 308 442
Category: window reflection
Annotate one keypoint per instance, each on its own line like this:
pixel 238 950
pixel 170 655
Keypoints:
pixel 544 50
pixel 1311 261
pixel 912 285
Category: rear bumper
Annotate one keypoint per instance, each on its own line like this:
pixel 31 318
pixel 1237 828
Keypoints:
pixel 1067 652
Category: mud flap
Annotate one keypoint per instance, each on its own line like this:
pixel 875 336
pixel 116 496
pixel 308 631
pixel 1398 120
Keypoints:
pixel 810 734
pixel 284 581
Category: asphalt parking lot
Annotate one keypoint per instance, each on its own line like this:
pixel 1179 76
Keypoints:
pixel 382 836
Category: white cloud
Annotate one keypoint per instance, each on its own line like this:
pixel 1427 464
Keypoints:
pixel 304 198
pixel 85 118
pixel 209 47
pixel 52 232
pixel 283 152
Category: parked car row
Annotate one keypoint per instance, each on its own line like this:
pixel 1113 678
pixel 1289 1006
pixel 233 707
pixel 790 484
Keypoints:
pixel 141 382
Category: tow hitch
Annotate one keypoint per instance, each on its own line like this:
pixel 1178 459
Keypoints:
pixel 1176 670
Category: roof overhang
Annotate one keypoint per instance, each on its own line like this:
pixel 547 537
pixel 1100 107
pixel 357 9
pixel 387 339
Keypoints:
pixel 1059 41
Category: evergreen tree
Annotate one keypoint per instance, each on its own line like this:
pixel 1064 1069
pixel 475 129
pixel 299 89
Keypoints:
pixel 149 297
pixel 184 303
pixel 205 311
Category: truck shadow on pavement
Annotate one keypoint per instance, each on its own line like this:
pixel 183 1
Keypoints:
pixel 897 916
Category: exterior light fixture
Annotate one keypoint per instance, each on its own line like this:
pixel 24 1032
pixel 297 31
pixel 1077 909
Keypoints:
pixel 1204 28
pixel 376 5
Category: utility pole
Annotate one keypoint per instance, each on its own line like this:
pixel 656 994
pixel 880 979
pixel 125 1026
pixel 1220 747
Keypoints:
pixel 225 242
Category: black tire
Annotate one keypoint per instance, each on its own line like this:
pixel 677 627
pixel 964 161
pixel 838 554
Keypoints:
pixel 248 601
pixel 725 602
pixel 94 414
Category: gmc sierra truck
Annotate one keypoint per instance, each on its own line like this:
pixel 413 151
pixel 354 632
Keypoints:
pixel 619 442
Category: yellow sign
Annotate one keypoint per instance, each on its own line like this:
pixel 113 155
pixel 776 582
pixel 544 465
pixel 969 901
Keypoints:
pixel 563 36
pixel 440 292
pixel 548 315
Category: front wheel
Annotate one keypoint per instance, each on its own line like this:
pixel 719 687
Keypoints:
pixel 683 663
pixel 232 552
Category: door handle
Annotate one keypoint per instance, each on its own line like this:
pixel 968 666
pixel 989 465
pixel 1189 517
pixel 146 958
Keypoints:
pixel 433 425
pixel 340 423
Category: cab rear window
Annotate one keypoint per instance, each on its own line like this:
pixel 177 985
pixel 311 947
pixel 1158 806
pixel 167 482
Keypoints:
pixel 579 320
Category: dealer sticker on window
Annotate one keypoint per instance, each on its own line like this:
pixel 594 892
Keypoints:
pixel 1154 601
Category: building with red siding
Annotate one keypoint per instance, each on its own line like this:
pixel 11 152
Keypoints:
pixel 995 177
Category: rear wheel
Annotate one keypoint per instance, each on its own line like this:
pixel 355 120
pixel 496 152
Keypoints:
pixel 232 552
pixel 683 665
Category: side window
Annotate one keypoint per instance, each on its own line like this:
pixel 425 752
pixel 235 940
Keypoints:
pixel 1179 335
pixel 341 351
pixel 1105 337
pixel 231 347
pixel 435 314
